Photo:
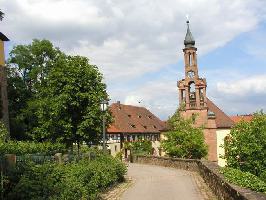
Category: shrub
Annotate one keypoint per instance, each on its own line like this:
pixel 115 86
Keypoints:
pixel 183 139
pixel 244 179
pixel 3 132
pixel 141 147
pixel 23 147
pixel 79 180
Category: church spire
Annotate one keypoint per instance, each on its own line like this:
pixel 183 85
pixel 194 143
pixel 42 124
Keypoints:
pixel 189 40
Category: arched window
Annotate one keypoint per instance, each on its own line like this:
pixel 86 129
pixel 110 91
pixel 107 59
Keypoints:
pixel 189 59
pixel 192 87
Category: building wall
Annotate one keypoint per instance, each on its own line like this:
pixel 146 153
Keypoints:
pixel 201 116
pixel 156 146
pixel 211 141
pixel 221 134
pixel 114 147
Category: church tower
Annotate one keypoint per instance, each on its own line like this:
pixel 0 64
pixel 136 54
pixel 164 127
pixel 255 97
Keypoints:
pixel 193 101
pixel 192 89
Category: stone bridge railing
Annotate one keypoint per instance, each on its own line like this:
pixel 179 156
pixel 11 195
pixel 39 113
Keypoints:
pixel 209 172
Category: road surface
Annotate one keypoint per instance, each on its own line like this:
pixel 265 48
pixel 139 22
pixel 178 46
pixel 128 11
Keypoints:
pixel 160 183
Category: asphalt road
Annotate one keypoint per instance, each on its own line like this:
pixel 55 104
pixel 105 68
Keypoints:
pixel 160 183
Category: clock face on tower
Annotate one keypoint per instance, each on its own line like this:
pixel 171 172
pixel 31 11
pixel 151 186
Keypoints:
pixel 191 74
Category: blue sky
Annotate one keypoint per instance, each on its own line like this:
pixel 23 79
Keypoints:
pixel 138 45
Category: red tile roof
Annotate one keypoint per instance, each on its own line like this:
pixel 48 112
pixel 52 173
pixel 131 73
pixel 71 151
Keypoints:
pixel 134 119
pixel 222 120
pixel 238 118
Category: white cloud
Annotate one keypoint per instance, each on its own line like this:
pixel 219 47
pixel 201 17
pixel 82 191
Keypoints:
pixel 247 86
pixel 132 39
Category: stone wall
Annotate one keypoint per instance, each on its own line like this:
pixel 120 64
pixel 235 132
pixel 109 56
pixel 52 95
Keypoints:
pixel 210 173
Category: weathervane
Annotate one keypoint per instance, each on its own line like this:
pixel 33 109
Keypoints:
pixel 187 16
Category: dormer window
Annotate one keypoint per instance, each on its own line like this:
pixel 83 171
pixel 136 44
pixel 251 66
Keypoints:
pixel 133 125
pixel 149 116
pixel 145 127
pixel 154 126
pixel 139 116
pixel 129 115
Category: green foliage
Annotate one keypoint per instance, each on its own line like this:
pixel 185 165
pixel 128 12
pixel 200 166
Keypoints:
pixel 28 67
pixel 24 147
pixel 184 140
pixel 68 103
pixel 143 147
pixel 53 96
pixel 244 179
pixel 3 132
pixel 82 180
pixel 245 148
pixel 119 155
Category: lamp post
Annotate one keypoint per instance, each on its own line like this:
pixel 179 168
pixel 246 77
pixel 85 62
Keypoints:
pixel 104 105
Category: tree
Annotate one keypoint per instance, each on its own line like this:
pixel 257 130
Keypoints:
pixel 245 148
pixel 183 139
pixel 28 67
pixel 68 103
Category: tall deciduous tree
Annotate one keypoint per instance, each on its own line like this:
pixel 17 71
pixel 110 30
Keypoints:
pixel 28 67
pixel 68 103
pixel 183 140
pixel 245 148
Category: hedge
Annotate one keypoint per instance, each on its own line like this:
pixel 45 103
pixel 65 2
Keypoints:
pixel 79 180
pixel 244 179
pixel 24 147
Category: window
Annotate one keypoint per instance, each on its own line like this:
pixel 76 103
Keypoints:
pixel 191 74
pixel 192 87
pixel 133 125
pixel 145 127
pixel 129 115
pixel 139 116
pixel 149 116
pixel 190 59
pixel 154 126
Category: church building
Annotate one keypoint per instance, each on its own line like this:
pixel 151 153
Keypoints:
pixel 194 101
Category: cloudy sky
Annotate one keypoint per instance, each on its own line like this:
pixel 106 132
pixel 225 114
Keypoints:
pixel 137 45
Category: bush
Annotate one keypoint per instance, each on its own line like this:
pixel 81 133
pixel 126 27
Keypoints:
pixel 23 147
pixel 184 140
pixel 81 180
pixel 141 147
pixel 244 179
pixel 245 148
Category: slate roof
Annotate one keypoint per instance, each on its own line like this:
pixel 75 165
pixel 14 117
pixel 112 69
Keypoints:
pixel 238 118
pixel 134 119
pixel 222 120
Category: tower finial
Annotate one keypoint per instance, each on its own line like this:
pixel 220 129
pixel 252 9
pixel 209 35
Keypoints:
pixel 189 40
pixel 187 16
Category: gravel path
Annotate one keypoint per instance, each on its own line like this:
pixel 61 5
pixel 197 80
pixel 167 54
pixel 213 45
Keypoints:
pixel 160 183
